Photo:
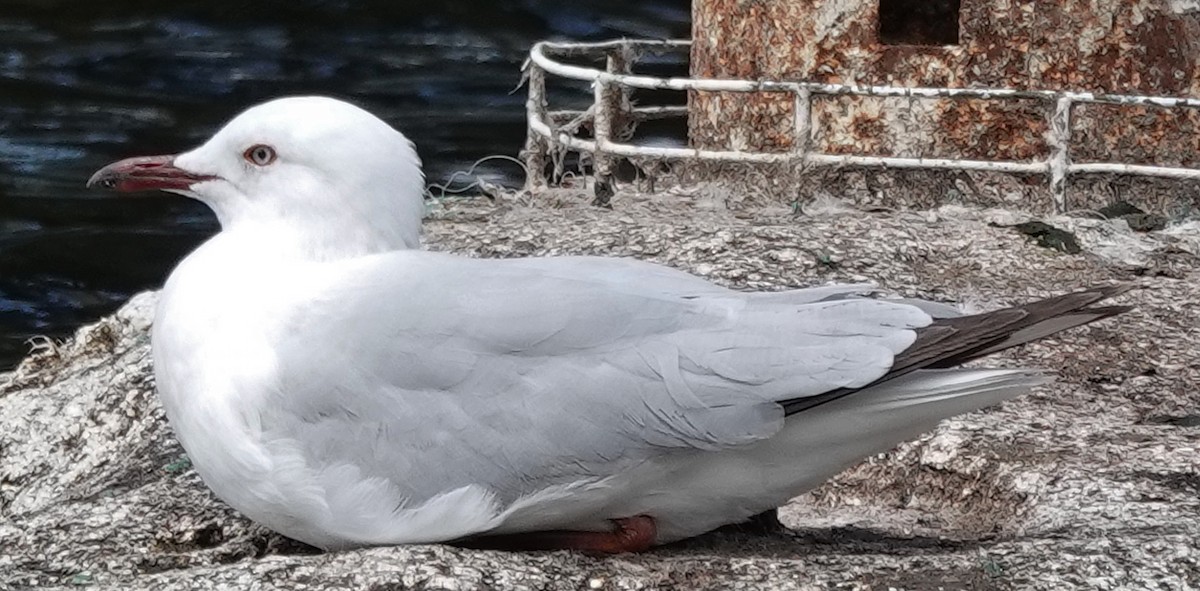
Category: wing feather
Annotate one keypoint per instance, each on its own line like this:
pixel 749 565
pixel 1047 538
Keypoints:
pixel 528 373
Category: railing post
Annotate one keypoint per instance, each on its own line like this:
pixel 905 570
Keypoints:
pixel 602 165
pixel 619 62
pixel 1060 151
pixel 802 125
pixel 608 105
pixel 536 147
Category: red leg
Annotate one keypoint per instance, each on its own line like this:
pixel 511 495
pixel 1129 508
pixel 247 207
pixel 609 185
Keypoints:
pixel 629 534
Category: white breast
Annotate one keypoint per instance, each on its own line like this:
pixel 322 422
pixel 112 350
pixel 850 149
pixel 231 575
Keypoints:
pixel 214 342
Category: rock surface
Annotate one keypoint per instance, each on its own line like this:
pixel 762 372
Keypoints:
pixel 1092 482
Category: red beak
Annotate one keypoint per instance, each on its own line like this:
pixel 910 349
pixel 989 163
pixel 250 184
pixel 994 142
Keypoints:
pixel 144 174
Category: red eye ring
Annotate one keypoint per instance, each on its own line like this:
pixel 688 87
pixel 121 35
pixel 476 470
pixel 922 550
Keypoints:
pixel 259 155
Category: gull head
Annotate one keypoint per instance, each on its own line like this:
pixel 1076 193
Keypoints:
pixel 311 176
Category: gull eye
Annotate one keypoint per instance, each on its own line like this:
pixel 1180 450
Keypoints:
pixel 259 155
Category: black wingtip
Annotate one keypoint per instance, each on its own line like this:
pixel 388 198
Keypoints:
pixel 950 342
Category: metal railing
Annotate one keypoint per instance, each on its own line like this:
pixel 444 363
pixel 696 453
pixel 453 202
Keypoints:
pixel 610 87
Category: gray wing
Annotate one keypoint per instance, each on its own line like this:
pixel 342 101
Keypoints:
pixel 531 372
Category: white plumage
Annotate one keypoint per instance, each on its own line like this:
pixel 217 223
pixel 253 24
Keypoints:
pixel 334 382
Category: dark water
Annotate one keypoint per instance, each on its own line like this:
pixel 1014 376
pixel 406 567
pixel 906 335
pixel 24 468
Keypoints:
pixel 83 83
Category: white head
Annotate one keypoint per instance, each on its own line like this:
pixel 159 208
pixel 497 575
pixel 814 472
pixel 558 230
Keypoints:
pixel 322 178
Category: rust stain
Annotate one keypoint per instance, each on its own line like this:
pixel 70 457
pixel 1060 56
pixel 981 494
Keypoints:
pixel 864 126
pixel 855 127
pixel 977 129
pixel 1139 135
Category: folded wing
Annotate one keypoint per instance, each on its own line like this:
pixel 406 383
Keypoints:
pixel 529 373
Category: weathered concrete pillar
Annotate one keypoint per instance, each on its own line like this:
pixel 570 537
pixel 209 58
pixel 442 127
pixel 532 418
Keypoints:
pixel 1121 46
